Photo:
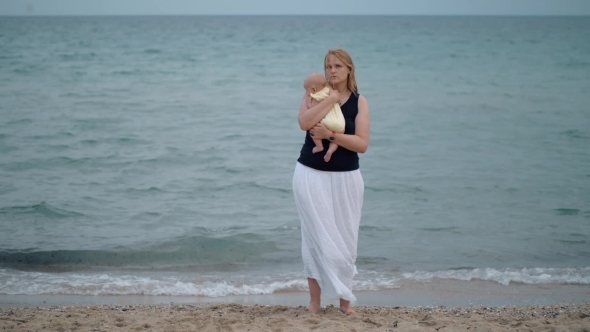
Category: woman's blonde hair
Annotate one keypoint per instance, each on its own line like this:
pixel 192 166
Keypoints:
pixel 343 56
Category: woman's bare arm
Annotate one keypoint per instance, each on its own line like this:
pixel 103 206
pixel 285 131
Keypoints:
pixel 308 117
pixel 359 142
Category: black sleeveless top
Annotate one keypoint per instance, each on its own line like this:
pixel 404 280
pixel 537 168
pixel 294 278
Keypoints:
pixel 342 160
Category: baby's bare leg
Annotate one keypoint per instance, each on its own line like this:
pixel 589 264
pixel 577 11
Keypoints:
pixel 331 149
pixel 319 147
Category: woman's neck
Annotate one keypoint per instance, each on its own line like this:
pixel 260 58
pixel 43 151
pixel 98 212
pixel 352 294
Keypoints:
pixel 342 88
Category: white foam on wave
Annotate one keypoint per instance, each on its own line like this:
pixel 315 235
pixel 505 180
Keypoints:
pixel 13 282
pixel 506 276
pixel 35 283
pixel 373 281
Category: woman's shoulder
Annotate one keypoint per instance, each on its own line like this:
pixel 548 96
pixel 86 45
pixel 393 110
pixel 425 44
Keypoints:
pixel 361 98
pixel 362 103
pixel 357 95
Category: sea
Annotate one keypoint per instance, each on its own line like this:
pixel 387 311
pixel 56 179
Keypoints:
pixel 154 155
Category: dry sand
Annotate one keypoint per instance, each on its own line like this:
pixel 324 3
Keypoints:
pixel 237 317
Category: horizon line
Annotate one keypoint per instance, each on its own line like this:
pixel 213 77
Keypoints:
pixel 383 15
pixel 312 14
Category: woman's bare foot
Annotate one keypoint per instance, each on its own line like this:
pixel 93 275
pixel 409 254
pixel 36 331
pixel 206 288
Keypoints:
pixel 317 149
pixel 346 308
pixel 347 311
pixel 328 156
pixel 313 307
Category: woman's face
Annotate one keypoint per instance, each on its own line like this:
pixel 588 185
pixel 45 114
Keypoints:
pixel 336 71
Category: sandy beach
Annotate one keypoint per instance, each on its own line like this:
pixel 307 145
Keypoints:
pixel 147 170
pixel 237 317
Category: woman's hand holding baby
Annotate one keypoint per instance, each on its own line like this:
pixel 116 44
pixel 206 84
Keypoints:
pixel 319 131
pixel 335 95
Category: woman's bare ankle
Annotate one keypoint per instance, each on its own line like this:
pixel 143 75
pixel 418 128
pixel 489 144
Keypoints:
pixel 314 307
pixel 346 308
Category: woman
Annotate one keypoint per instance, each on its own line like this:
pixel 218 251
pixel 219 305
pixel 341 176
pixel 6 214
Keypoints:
pixel 329 195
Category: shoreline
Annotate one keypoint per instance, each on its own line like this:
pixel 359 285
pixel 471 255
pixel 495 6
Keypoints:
pixel 438 292
pixel 238 317
pixel 443 305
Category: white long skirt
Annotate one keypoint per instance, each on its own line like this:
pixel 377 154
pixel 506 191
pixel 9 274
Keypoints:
pixel 329 206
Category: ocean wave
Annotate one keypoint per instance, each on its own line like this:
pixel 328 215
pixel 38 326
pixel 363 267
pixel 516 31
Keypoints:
pixel 105 284
pixel 151 189
pixel 43 209
pixel 245 185
pixel 37 283
pixel 15 282
pixel 178 252
pixel 506 276
pixel 369 228
pixel 19 122
pixel 396 189
pixel 573 133
pixel 438 229
pixel 567 211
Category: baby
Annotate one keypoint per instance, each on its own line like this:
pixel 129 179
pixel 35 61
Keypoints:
pixel 316 86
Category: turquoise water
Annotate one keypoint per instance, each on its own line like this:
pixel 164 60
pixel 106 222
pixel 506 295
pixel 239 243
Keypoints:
pixel 154 155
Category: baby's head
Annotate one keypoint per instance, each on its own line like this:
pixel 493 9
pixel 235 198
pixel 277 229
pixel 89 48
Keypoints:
pixel 314 83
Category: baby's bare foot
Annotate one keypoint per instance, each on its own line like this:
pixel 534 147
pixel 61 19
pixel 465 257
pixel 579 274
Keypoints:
pixel 317 149
pixel 328 156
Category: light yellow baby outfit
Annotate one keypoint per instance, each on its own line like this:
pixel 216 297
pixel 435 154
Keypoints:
pixel 334 120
